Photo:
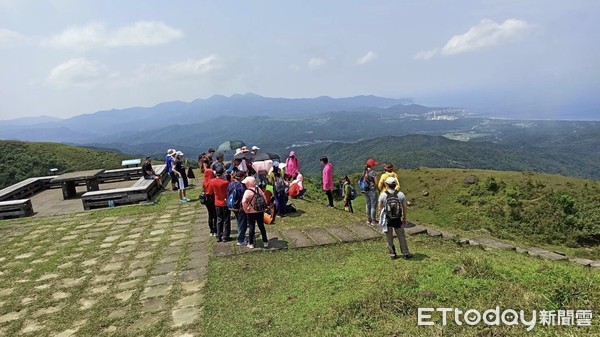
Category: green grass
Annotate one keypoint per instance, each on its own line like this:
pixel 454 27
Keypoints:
pixel 355 290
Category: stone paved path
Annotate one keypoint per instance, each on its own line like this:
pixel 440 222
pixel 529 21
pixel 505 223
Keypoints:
pixel 83 276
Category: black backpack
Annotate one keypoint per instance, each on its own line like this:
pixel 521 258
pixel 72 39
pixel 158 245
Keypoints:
pixel 259 203
pixel 393 207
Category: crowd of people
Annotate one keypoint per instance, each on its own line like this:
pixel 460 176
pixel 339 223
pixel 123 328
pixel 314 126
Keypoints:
pixel 257 192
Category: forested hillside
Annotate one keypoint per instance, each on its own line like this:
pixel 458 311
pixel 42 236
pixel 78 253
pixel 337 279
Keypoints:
pixel 414 151
pixel 22 160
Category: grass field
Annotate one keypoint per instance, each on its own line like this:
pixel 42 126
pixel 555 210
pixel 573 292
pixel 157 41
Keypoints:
pixel 147 270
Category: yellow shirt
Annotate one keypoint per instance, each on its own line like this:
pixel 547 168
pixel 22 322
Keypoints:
pixel 386 175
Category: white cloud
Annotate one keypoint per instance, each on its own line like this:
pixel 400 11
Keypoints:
pixel 96 35
pixel 186 68
pixel 79 72
pixel 144 33
pixel 486 34
pixel 425 55
pixel 370 56
pixel 316 63
pixel 9 37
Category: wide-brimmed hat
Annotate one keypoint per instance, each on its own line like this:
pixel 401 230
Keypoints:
pixel 170 152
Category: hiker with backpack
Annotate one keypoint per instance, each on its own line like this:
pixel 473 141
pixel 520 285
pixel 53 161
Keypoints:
pixel 349 194
pixel 255 205
pixel 368 186
pixel 235 192
pixel 280 189
pixel 328 179
pixel 388 172
pixel 392 205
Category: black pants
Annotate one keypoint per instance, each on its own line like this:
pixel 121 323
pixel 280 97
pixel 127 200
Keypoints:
pixel 212 216
pixel 330 197
pixel 223 222
pixel 256 219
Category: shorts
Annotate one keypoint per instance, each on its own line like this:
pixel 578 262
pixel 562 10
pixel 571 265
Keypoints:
pixel 180 183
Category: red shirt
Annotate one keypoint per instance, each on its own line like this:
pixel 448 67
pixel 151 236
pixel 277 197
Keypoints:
pixel 219 188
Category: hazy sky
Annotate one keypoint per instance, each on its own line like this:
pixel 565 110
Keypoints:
pixel 68 57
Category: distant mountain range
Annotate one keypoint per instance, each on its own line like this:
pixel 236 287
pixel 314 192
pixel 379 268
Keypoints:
pixel 348 129
pixel 105 125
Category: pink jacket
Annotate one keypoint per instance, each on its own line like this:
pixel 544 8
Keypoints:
pixel 248 198
pixel 328 177
pixel 291 166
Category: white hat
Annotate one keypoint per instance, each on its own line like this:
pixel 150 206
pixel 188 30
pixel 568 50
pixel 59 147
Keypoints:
pixel 390 181
pixel 255 147
pixel 170 151
pixel 179 153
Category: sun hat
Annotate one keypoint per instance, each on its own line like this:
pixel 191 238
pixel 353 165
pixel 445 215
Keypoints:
pixel 390 181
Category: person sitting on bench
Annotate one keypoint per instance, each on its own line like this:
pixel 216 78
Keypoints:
pixel 149 173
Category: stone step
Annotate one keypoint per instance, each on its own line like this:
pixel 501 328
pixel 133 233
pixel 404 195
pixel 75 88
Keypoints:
pixel 320 236
pixel 296 238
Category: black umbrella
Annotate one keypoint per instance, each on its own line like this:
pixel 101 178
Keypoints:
pixel 244 155
pixel 274 156
pixel 261 156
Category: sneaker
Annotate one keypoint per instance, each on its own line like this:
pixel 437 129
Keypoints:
pixel 251 246
pixel 330 207
pixel 408 256
pixel 226 239
pixel 266 244
pixel 393 256
pixel 183 201
pixel 187 199
pixel 243 243
pixel 369 222
pixel 213 234
pixel 219 240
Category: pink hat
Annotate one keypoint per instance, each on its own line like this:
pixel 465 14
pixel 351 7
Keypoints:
pixel 292 153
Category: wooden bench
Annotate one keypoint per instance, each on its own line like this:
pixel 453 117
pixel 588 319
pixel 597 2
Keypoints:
pixel 120 174
pixel 142 190
pixel 25 188
pixel 15 208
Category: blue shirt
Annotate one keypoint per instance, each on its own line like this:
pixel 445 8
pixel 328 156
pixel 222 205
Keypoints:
pixel 169 159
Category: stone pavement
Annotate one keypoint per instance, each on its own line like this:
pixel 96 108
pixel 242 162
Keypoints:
pixel 82 275
pixel 284 238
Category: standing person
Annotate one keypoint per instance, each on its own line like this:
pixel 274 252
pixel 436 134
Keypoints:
pixel 255 150
pixel 218 163
pixel 207 161
pixel 280 187
pixel 210 201
pixel 180 167
pixel 370 176
pixel 348 195
pixel 219 187
pixel 392 205
pixel 327 179
pixel 292 166
pixel 169 163
pixel 149 172
pixel 255 216
pixel 388 172
pixel 179 172
pixel 235 191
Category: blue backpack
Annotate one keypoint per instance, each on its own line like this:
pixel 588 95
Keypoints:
pixel 234 197
pixel 363 184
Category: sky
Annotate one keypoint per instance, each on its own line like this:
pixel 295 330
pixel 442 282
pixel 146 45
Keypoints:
pixel 533 58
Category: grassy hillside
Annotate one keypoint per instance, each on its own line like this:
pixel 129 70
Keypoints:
pixel 22 160
pixel 529 208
